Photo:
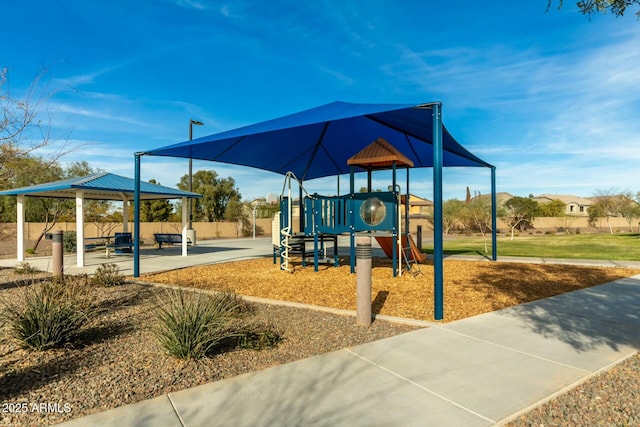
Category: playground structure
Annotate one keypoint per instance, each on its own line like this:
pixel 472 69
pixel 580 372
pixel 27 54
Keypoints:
pixel 322 219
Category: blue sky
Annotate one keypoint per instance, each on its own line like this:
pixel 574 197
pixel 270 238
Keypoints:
pixel 552 99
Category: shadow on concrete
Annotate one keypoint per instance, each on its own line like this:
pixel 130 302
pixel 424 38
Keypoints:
pixel 606 315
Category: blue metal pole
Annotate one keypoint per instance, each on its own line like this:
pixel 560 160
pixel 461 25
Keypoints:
pixel 352 237
pixel 438 264
pixel 494 215
pixel 136 218
pixel 396 222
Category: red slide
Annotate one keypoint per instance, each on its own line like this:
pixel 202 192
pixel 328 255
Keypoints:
pixel 386 243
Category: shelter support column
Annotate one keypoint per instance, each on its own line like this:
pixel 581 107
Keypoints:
pixel 125 215
pixel 20 228
pixel 494 215
pixel 352 238
pixel 185 214
pixel 438 264
pixel 136 217
pixel 80 228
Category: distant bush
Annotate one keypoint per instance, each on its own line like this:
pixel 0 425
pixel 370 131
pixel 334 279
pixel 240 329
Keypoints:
pixel 191 324
pixel 45 315
pixel 69 241
pixel 25 268
pixel 107 275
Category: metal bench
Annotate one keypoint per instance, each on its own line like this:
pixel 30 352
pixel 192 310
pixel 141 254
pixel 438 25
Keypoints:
pixel 122 244
pixel 170 238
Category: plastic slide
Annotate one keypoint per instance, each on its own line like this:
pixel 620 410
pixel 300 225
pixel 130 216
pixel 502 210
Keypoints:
pixel 386 243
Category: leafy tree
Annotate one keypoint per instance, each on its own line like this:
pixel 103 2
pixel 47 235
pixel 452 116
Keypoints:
pixel 520 213
pixel 216 192
pixel 606 206
pixel 155 210
pixel 555 208
pixel 236 211
pixel 478 216
pixel 98 212
pixel 629 208
pixel 453 213
pixel 37 209
pixel 595 212
pixel 266 210
pixel 591 7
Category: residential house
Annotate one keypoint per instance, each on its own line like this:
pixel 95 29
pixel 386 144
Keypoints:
pixel 576 206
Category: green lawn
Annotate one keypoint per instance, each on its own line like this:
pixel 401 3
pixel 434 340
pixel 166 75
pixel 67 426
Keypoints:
pixel 577 246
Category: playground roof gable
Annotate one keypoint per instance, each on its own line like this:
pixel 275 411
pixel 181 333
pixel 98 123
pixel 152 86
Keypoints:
pixel 102 186
pixel 379 155
pixel 318 142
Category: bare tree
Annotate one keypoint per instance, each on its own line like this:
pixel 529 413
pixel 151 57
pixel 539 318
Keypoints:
pixel 25 126
pixel 607 205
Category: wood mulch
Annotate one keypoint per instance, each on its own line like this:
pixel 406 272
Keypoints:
pixel 470 287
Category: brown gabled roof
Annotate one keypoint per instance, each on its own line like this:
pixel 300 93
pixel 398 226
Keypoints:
pixel 379 155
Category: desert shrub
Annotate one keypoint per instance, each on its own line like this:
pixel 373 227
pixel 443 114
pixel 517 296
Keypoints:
pixel 69 241
pixel 45 315
pixel 25 268
pixel 258 337
pixel 107 275
pixel 191 324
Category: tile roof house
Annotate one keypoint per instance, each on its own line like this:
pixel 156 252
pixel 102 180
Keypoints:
pixel 575 205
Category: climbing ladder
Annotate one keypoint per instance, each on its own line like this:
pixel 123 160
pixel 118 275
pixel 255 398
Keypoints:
pixel 286 231
pixel 411 263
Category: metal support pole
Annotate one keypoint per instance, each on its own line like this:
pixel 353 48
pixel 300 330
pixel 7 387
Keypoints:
pixel 494 215
pixel 136 218
pixel 438 263
pixel 397 261
pixel 191 232
pixel 352 249
pixel 363 280
pixel 57 253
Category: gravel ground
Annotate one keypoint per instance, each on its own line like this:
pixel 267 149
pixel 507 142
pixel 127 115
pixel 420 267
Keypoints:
pixel 611 398
pixel 118 360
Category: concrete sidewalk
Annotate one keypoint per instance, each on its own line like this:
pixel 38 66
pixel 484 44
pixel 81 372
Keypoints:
pixel 154 260
pixel 479 371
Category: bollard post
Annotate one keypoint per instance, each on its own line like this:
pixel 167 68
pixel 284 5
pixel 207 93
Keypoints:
pixel 419 238
pixel 363 286
pixel 57 253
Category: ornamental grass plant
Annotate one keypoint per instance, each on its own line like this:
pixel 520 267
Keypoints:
pixel 192 324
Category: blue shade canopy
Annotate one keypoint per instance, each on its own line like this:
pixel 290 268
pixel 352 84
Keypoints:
pixel 318 142
pixel 102 186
